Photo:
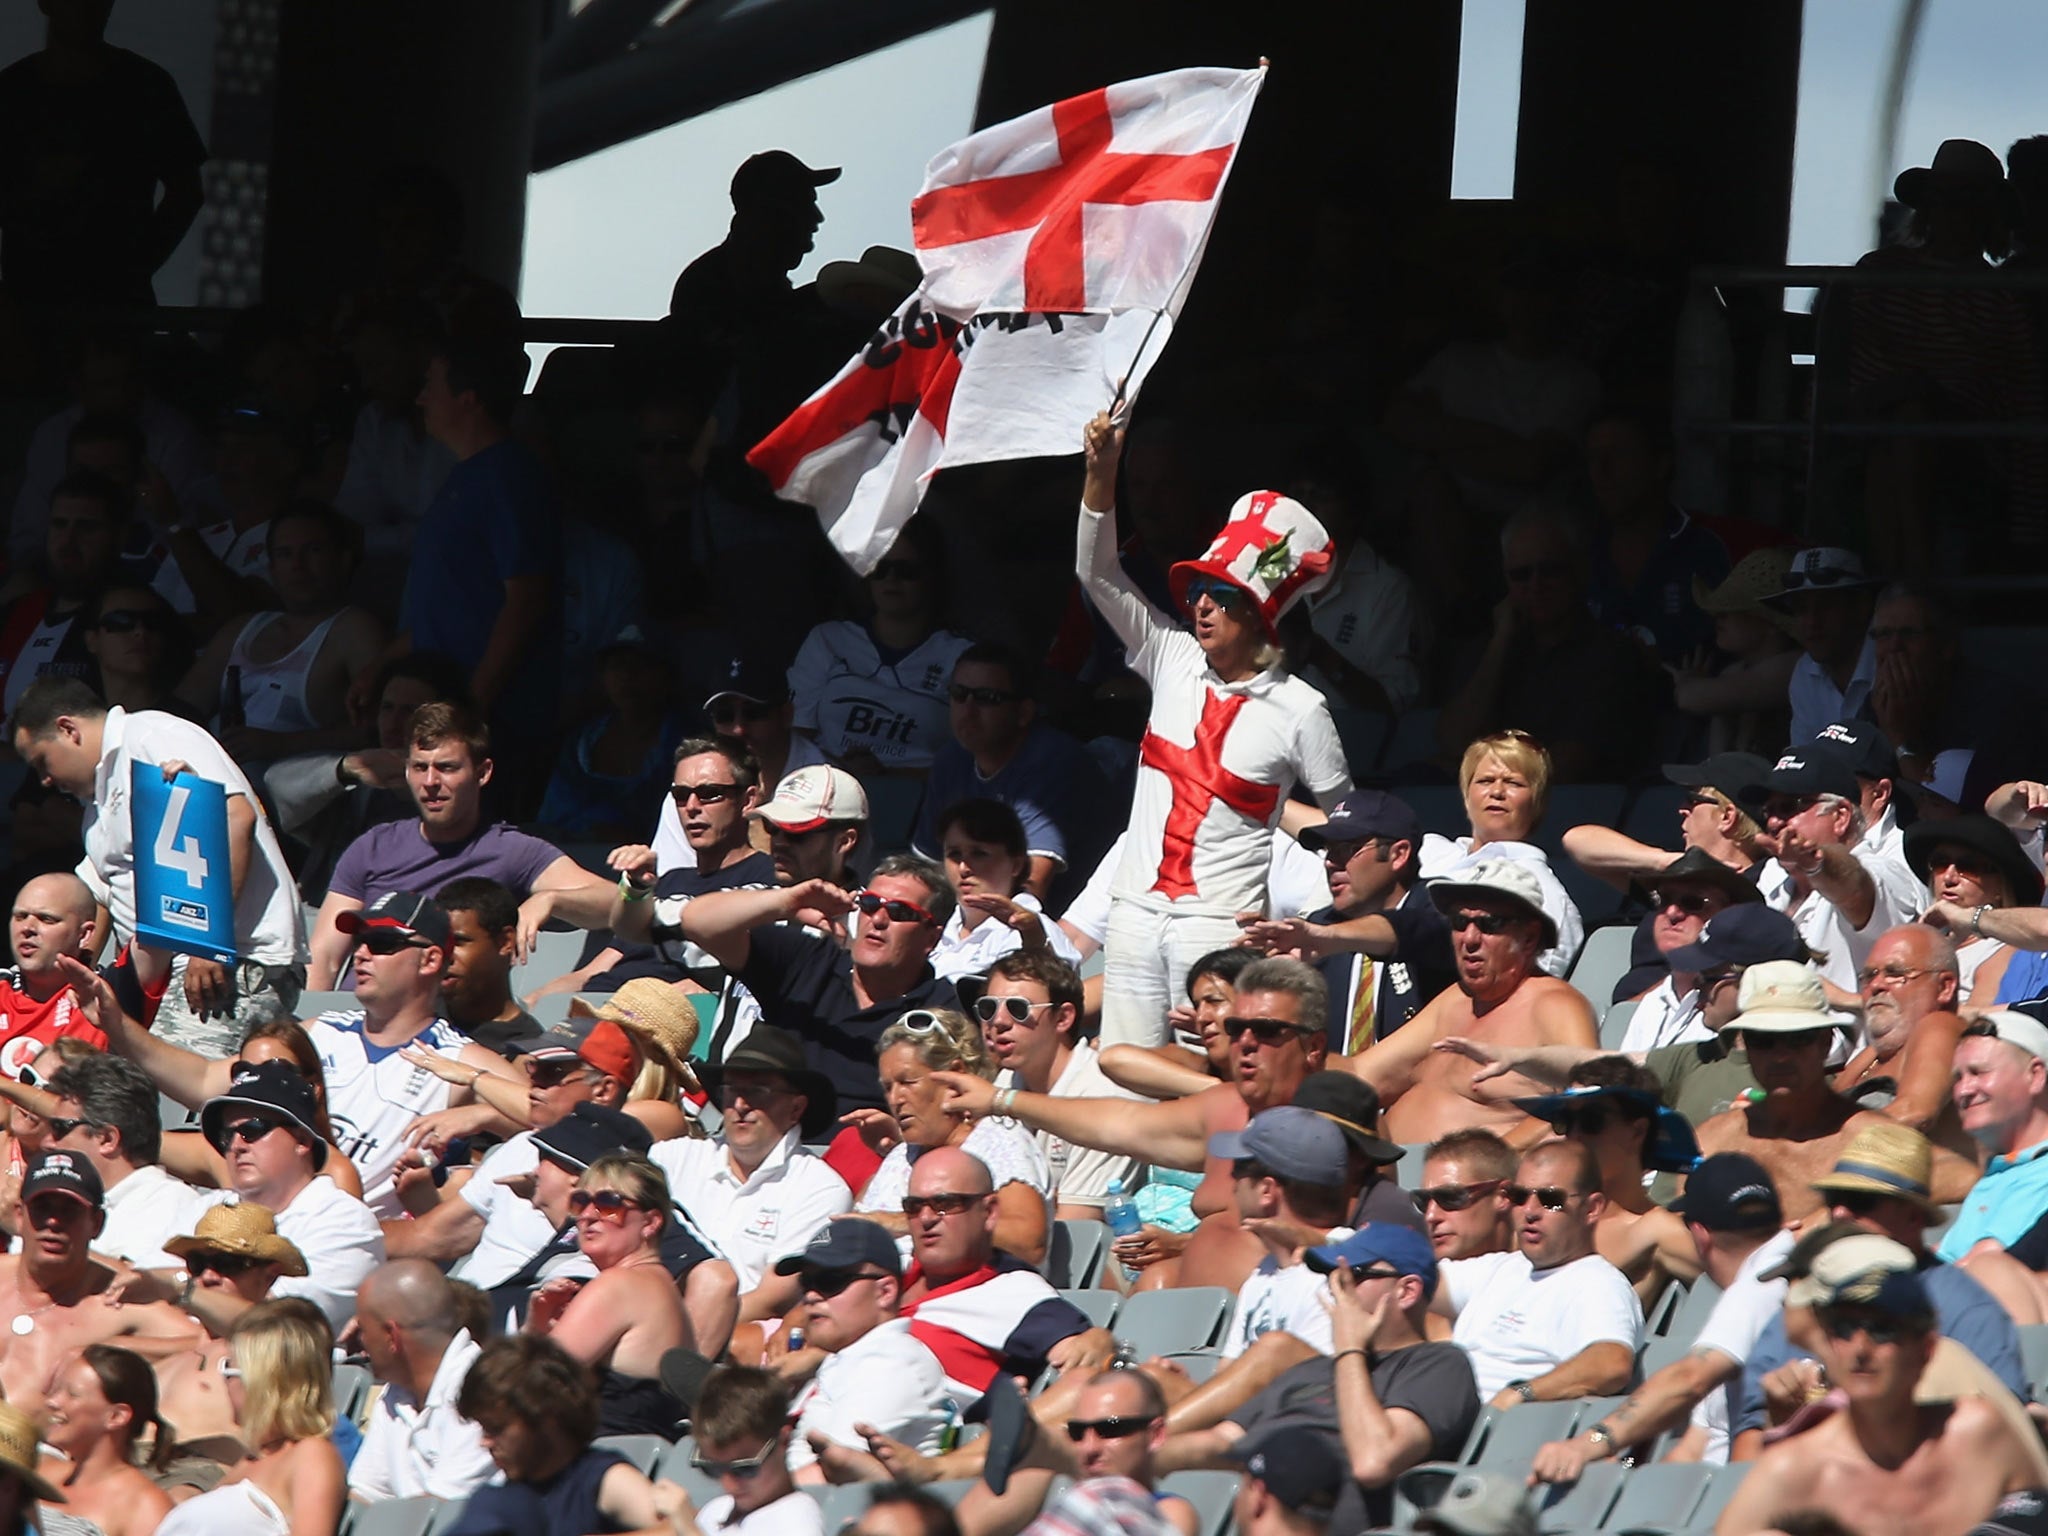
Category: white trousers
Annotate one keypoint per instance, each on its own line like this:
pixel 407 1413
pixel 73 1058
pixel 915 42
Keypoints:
pixel 1145 967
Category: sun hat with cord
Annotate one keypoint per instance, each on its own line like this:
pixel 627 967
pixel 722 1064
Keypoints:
pixel 1506 879
pixel 18 1453
pixel 245 1230
pixel 1756 576
pixel 661 1020
pixel 1885 1159
pixel 1782 997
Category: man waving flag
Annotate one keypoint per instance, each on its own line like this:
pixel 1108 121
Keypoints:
pixel 1057 248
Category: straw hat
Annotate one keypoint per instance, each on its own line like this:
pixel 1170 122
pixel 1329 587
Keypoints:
pixel 1888 1159
pixel 1757 575
pixel 1782 997
pixel 656 1015
pixel 18 1452
pixel 248 1231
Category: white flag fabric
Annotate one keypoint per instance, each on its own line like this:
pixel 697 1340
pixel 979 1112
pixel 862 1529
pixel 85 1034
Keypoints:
pixel 1057 248
pixel 1100 203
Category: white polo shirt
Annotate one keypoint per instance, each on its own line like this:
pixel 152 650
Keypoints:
pixel 267 926
pixel 756 1220
pixel 1664 1018
pixel 1517 1322
pixel 885 1378
pixel 794 1514
pixel 514 1228
pixel 146 1210
pixel 340 1241
pixel 412 1448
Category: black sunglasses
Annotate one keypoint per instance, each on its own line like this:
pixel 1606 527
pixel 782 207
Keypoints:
pixel 60 1126
pixel 552 1074
pixel 1115 1427
pixel 703 794
pixel 1857 1202
pixel 1844 1326
pixel 915 1206
pixel 386 942
pixel 1455 1197
pixel 1757 1043
pixel 1265 1031
pixel 986 1009
pixel 1691 903
pixel 827 1283
pixel 1591 1121
pixel 125 621
pixel 987 698
pixel 1550 1197
pixel 1488 923
pixel 251 1130
pixel 227 1265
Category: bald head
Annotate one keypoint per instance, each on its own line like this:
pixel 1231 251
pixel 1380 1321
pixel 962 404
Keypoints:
pixel 1569 1164
pixel 411 1294
pixel 52 917
pixel 948 1170
pixel 1910 973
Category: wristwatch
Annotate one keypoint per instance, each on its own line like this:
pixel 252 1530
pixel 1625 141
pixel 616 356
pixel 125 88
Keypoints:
pixel 1603 1434
pixel 1525 1390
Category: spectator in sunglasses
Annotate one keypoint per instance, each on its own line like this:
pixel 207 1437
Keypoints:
pixel 1031 1020
pixel 1711 819
pixel 993 914
pixel 1463 1194
pixel 873 695
pixel 106 1110
pixel 28 1105
pixel 623 1321
pixel 1500 927
pixel 1987 899
pixel 1614 1108
pixel 448 763
pixel 1002 751
pixel 1277 1035
pixel 1551 1320
pixel 837 999
pixel 1684 898
pixel 742 1428
pixel 1799 1116
pixel 138 648
pixel 859 1364
pixel 919 1055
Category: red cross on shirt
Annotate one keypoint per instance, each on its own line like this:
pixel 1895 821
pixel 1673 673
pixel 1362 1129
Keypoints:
pixel 1051 200
pixel 1199 779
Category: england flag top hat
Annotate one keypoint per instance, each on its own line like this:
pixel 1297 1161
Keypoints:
pixel 1272 549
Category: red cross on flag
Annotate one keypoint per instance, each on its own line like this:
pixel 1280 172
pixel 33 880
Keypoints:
pixel 1101 202
pixel 1057 249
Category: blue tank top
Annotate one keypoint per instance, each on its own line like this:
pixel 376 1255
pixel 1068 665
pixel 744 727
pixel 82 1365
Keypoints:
pixel 565 1502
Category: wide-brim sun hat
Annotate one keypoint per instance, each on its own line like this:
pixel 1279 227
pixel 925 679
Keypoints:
pixel 1887 1159
pixel 247 1231
pixel 18 1453
pixel 1497 879
pixel 1758 575
pixel 661 1020
pixel 1980 834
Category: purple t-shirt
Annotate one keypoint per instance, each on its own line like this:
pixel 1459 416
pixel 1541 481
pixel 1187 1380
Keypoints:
pixel 397 857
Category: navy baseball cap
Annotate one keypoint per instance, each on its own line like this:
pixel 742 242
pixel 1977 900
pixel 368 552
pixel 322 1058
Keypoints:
pixel 1293 1142
pixel 1866 749
pixel 277 1087
pixel 1803 771
pixel 589 1131
pixel 846 1243
pixel 406 912
pixel 1672 1147
pixel 1732 773
pixel 1365 813
pixel 1748 934
pixel 1404 1248
pixel 748 677
pixel 1304 1472
pixel 57 1172
pixel 1731 1192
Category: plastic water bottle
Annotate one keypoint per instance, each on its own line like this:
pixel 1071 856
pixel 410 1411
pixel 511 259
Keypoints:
pixel 1122 1218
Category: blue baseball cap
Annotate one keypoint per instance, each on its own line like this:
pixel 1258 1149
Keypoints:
pixel 1748 934
pixel 1293 1142
pixel 1365 813
pixel 1672 1147
pixel 1403 1247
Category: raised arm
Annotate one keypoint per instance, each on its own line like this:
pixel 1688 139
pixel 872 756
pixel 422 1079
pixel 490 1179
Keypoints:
pixel 1549 1066
pixel 1608 855
pixel 722 922
pixel 1174 1134
pixel 1157 1071
pixel 189 1078
pixel 568 891
pixel 1123 606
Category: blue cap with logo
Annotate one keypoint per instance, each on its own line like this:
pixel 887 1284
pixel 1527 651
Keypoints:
pixel 1381 1242
pixel 1293 1142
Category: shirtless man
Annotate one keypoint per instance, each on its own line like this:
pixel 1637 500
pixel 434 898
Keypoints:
pixel 1799 1127
pixel 1911 988
pixel 1498 930
pixel 1613 1109
pixel 233 1251
pixel 1884 1465
pixel 53 1292
pixel 1276 1040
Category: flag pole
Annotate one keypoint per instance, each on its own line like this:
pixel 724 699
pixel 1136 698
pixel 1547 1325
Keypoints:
pixel 1117 404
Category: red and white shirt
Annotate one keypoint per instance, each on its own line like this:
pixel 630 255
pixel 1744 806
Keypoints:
pixel 29 1028
pixel 1217 760
pixel 1004 1317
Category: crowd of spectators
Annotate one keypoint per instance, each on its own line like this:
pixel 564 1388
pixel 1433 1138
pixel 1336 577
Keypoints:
pixel 720 1017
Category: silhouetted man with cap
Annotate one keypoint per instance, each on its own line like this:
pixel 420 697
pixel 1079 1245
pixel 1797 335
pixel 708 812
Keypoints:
pixel 774 220
pixel 1382 946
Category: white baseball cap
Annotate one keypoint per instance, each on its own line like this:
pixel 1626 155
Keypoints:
pixel 812 796
pixel 2020 1029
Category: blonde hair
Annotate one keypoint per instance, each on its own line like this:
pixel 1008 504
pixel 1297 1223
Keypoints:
pixel 1745 831
pixel 633 1176
pixel 950 1043
pixel 286 1375
pixel 1520 753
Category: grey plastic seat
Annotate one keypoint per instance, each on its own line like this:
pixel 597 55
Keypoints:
pixel 352 1386
pixel 646 1452
pixel 1700 1300
pixel 1163 1322
pixel 390 1517
pixel 1602 962
pixel 2034 1358
pixel 313 1004
pixel 1720 1489
pixel 1074 1257
pixel 1660 1352
pixel 1099 1305
pixel 554 954
pixel 1614 1023
pixel 1659 1497
pixel 1212 1494
pixel 1517 1433
pixel 1583 1505
pixel 841 1503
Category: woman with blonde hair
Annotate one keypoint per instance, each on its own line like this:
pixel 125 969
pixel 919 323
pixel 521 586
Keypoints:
pixel 920 1043
pixel 291 1482
pixel 99 1403
pixel 623 1321
pixel 1505 779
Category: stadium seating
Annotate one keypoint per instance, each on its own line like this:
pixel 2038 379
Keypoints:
pixel 353 1389
pixel 1614 1024
pixel 553 954
pixel 1602 963
pixel 1211 1493
pixel 644 1451
pixel 1161 1322
pixel 312 1004
pixel 2034 1358
pixel 1659 1497
pixel 1074 1256
pixel 1099 1305
pixel 390 1517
